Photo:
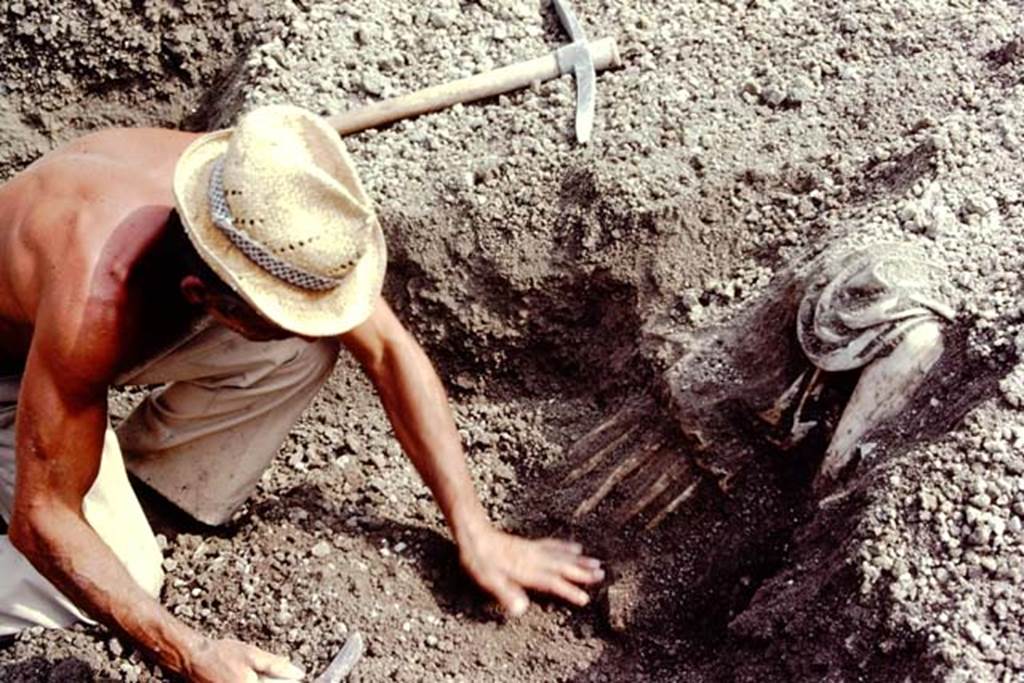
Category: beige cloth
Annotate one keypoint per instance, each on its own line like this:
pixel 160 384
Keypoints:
pixel 202 441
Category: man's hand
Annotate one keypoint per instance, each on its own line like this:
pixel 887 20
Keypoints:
pixel 231 661
pixel 507 566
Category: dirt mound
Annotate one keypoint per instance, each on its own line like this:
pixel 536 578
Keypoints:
pixel 555 284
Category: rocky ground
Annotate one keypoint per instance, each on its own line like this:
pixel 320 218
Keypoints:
pixel 552 283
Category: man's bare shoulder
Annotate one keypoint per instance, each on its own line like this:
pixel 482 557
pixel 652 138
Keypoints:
pixel 146 152
pixel 71 236
pixel 113 163
pixel 122 140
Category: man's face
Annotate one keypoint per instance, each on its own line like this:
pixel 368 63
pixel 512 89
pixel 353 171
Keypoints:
pixel 232 312
pixel 240 317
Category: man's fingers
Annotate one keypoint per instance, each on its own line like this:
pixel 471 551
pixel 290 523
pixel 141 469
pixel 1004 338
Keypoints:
pixel 587 564
pixel 579 574
pixel 556 585
pixel 573 566
pixel 274 666
pixel 558 545
pixel 511 597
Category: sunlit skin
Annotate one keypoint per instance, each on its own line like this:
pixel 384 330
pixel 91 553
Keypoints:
pixel 86 292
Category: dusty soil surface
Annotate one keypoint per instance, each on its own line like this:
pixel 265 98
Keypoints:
pixel 554 284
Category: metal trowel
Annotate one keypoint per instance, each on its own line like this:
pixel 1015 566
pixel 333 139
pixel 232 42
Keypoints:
pixel 340 667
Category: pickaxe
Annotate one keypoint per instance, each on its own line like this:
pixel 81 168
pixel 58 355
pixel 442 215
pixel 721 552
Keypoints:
pixel 582 58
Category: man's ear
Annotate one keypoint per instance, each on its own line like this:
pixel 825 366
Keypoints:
pixel 194 290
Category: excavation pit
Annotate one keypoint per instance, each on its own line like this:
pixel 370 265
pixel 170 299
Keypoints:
pixel 555 285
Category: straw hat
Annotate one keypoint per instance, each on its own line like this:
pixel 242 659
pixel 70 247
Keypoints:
pixel 276 209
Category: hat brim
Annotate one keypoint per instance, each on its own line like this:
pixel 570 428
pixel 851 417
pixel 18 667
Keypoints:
pixel 301 311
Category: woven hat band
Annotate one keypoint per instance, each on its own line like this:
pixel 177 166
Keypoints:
pixel 220 214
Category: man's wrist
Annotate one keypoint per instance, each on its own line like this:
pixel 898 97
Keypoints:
pixel 176 646
pixel 469 525
pixel 196 646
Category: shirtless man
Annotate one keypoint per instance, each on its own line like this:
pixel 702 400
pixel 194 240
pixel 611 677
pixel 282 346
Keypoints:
pixel 112 248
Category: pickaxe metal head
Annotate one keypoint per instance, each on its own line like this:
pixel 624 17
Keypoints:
pixel 580 57
pixel 577 58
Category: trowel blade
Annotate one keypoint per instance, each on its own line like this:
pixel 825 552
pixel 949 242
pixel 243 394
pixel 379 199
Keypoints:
pixel 346 659
pixel 340 667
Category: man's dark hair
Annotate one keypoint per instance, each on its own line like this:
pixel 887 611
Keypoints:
pixel 189 262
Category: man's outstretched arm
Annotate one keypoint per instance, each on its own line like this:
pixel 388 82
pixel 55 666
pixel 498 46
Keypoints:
pixel 61 424
pixel 416 403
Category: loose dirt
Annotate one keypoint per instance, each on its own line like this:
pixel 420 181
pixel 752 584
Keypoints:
pixel 555 284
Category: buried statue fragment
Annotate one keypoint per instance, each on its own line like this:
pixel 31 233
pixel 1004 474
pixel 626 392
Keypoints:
pixel 880 309
pixel 731 396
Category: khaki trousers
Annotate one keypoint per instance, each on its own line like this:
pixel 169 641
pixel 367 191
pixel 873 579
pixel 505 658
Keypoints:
pixel 202 441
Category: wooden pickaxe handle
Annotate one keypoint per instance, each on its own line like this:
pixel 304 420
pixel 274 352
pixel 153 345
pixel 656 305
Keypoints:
pixel 490 84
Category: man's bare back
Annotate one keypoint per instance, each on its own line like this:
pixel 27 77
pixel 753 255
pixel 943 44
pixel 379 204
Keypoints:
pixel 74 227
